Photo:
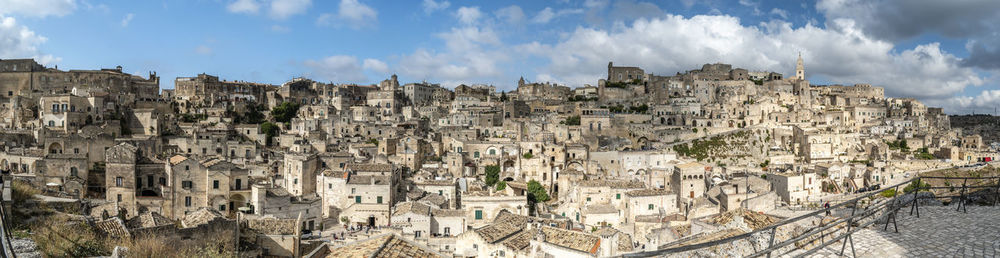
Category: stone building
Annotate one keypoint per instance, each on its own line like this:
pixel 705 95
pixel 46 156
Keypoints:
pixel 207 90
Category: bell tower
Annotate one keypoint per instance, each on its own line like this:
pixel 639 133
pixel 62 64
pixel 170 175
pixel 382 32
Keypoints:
pixel 800 70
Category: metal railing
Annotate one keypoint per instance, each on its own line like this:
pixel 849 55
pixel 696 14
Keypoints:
pixel 864 213
pixel 5 235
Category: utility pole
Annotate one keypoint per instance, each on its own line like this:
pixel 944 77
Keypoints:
pixel 238 233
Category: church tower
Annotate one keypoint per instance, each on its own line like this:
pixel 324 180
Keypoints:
pixel 800 70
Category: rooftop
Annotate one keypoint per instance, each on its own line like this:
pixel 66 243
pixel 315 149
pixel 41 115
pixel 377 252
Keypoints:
pixel 385 245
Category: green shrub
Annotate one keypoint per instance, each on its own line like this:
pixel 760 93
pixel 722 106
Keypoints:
pixel 492 175
pixel 889 193
pixel 501 185
pixel 915 185
pixel 536 192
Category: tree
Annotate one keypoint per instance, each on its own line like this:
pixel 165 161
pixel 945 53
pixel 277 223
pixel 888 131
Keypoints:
pixel 536 192
pixel 254 116
pixel 270 130
pixel 285 112
pixel 492 175
pixel 501 185
pixel 573 120
pixel 503 97
pixel 528 155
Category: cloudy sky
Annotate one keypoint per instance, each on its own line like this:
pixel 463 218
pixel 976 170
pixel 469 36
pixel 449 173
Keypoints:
pixel 942 52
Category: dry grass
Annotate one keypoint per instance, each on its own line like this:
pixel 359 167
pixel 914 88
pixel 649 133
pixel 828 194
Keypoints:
pixel 21 191
pixel 58 236
pixel 208 244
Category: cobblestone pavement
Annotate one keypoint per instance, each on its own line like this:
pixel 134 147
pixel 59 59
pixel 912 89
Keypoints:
pixel 939 232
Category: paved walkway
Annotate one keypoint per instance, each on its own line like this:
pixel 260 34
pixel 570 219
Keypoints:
pixel 939 232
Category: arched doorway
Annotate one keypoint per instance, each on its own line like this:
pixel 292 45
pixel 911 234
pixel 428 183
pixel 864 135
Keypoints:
pixel 508 166
pixel 55 148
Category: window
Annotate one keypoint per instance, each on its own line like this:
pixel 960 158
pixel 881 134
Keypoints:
pixel 379 200
pixel 76 150
pixel 119 198
pixel 73 172
pixel 447 230
pixel 187 184
pixel 187 201
pixel 138 182
pixel 239 184
pixel 222 207
pixel 295 181
pixel 149 181
pixel 479 214
pixel 416 234
pixel 440 192
pixel 119 181
pixel 476 154
pixel 163 181
pixel 215 184
pixel 357 199
pixel 588 199
pixel 650 207
pixel 618 196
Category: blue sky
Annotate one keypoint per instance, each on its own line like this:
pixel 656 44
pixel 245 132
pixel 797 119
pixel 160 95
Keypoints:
pixel 941 53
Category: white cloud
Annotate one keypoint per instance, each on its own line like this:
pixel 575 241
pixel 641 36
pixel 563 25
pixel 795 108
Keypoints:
pixel 37 8
pixel 376 65
pixel 471 55
pixel 127 19
pixel 780 13
pixel 840 53
pixel 339 68
pixel 595 4
pixel 203 50
pixel 751 4
pixel 244 6
pixel 276 9
pixel 546 15
pixel 103 8
pixel 17 41
pixel 985 103
pixel 350 13
pixel 279 28
pixel 901 19
pixel 620 11
pixel 431 6
pixel 511 14
pixel 976 22
pixel 281 9
pixel 468 15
